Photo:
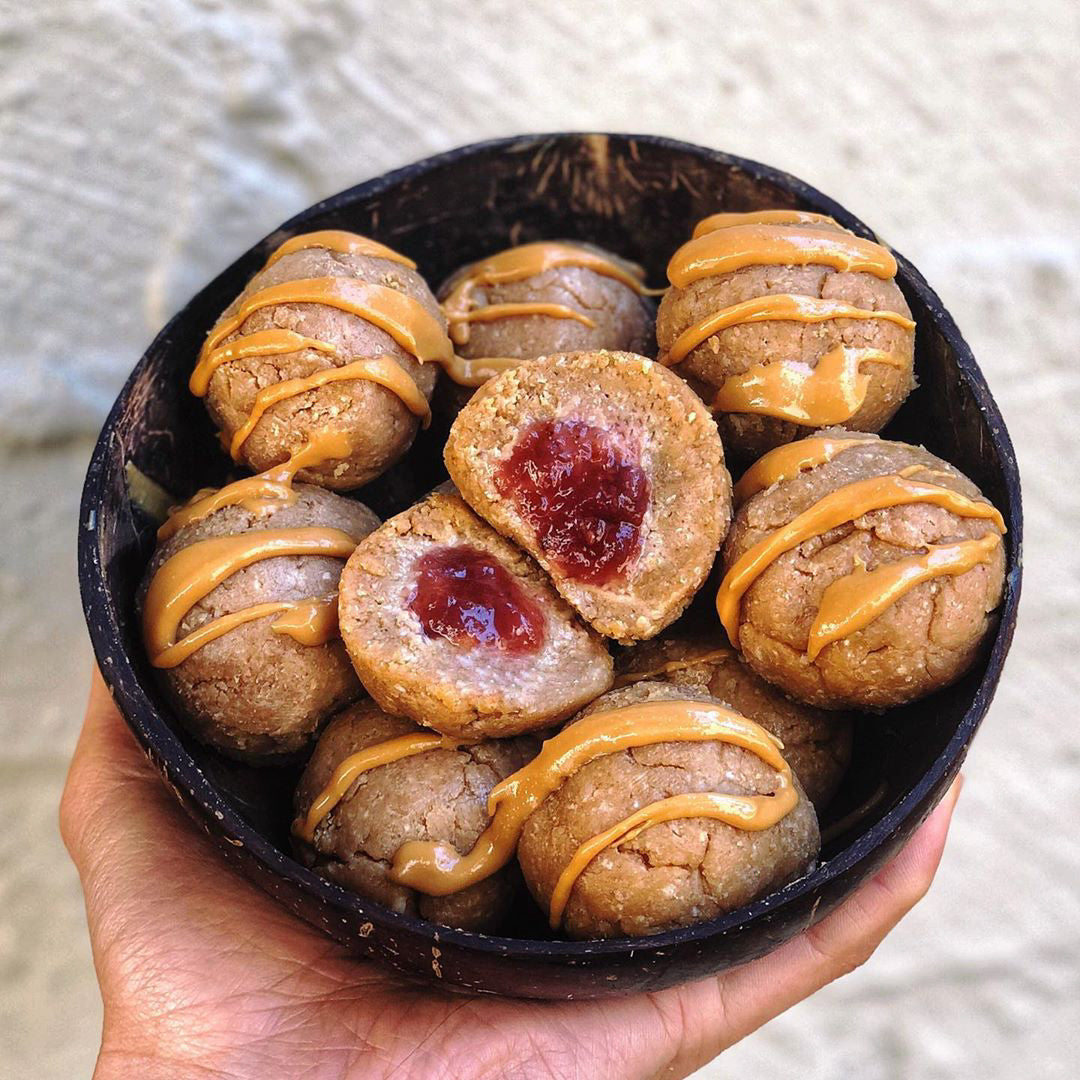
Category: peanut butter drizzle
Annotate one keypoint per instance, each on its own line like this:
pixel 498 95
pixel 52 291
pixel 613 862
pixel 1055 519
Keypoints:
pixel 406 320
pixel 789 460
pixel 384 370
pixel 845 504
pixel 781 307
pixel 519 263
pixel 437 869
pixel 829 393
pixel 854 601
pixel 344 243
pixel 355 765
pixel 762 217
pixel 195 571
pixel 750 812
pixel 459 323
pixel 261 343
pixel 628 678
pixel 724 250
pixel 262 494
pixel 477 372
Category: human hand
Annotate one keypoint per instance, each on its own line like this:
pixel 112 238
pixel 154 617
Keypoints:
pixel 203 975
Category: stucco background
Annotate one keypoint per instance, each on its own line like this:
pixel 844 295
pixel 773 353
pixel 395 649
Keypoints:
pixel 142 146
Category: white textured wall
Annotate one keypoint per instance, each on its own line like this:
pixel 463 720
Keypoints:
pixel 143 145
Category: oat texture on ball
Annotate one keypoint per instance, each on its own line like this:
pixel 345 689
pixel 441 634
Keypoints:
pixel 786 322
pixel 239 609
pixel 585 460
pixel 860 573
pixel 432 795
pixel 335 334
pixel 678 871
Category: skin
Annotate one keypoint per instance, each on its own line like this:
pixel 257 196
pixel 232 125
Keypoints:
pixel 203 975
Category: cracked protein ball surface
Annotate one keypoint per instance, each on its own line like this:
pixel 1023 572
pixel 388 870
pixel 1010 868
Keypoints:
pixel 622 318
pixel 817 744
pixel 439 795
pixel 379 426
pixel 736 349
pixel 450 624
pixel 671 874
pixel 609 471
pixel 923 641
pixel 254 693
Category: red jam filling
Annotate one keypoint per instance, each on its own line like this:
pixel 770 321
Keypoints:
pixel 468 597
pixel 582 493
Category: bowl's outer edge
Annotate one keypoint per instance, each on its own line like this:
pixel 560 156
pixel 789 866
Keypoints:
pixel 541 969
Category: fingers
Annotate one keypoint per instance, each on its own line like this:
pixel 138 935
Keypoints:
pixel 722 1011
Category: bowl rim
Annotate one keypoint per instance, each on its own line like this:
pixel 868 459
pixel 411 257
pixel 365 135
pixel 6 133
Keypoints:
pixel 152 730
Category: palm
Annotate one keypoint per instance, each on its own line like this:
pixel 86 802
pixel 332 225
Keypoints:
pixel 201 972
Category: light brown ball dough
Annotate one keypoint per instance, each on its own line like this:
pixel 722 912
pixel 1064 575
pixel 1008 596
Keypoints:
pixel 657 422
pixel 736 349
pixel 624 320
pixel 926 640
pixel 817 744
pixel 440 795
pixel 673 874
pixel 458 687
pixel 378 425
pixel 253 693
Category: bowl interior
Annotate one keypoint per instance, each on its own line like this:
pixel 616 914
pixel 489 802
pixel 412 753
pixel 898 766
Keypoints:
pixel 638 196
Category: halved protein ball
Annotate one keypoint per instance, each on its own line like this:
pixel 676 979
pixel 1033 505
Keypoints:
pixel 239 609
pixel 608 470
pixel 437 794
pixel 860 573
pixel 679 870
pixel 450 624
pixel 817 744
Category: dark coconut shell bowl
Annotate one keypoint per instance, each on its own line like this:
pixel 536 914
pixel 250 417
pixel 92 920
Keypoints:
pixel 639 196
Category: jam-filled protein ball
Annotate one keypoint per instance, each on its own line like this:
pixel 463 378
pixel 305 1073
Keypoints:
pixel 452 625
pixel 609 471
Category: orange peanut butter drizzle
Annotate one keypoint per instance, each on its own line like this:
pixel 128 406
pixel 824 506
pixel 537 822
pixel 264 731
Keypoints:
pixel 355 765
pixel 195 571
pixel 750 812
pixel 762 217
pixel 384 370
pixel 787 461
pixel 261 343
pixel 780 307
pixel 628 678
pixel 838 507
pixel 526 261
pixel 854 601
pixel 724 250
pixel 475 373
pixel 437 869
pixel 459 322
pixel 829 393
pixel 342 242
pixel 262 494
